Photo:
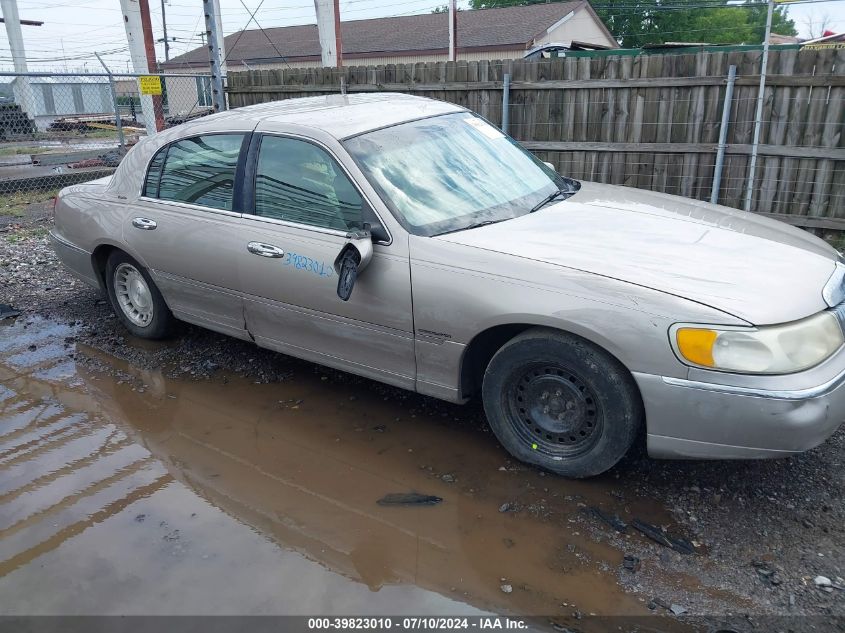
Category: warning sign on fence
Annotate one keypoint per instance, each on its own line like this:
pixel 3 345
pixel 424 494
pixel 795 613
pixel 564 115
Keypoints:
pixel 150 84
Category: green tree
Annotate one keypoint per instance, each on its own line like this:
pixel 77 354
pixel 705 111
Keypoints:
pixel 637 22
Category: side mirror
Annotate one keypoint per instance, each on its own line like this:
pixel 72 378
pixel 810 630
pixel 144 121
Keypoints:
pixel 352 259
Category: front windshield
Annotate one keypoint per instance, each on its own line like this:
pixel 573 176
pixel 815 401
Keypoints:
pixel 451 172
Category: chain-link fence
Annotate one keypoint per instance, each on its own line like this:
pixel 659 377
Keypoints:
pixel 60 128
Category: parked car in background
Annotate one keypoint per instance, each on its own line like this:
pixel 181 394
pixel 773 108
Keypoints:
pixel 553 50
pixel 409 241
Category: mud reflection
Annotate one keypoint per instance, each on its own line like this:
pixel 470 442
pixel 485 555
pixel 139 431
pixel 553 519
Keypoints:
pixel 231 497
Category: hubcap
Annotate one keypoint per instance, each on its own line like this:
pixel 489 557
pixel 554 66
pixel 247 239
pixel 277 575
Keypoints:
pixel 133 295
pixel 553 410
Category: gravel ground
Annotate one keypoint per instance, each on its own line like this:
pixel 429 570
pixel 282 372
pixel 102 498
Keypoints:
pixel 763 530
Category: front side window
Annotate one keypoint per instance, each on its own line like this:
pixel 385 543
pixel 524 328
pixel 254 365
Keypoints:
pixel 451 172
pixel 297 181
pixel 198 170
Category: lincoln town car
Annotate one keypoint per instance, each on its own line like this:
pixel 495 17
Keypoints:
pixel 410 241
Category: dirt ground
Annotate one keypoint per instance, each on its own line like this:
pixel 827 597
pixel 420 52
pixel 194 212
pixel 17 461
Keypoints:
pixel 205 475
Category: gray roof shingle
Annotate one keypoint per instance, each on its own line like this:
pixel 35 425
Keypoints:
pixel 513 27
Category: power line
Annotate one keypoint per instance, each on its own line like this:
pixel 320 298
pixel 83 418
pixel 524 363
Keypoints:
pixel 254 19
pixel 243 30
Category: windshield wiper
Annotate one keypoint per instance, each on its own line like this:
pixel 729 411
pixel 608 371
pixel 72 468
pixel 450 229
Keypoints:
pixel 571 188
pixel 549 198
pixel 473 226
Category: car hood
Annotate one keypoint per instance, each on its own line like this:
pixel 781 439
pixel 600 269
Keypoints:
pixel 757 269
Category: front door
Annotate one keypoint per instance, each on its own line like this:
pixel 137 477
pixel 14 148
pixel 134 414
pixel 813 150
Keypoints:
pixel 184 228
pixel 291 233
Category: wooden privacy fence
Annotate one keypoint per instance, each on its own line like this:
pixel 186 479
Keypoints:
pixel 648 121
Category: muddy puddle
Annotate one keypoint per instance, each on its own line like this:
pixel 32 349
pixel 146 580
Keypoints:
pixel 126 492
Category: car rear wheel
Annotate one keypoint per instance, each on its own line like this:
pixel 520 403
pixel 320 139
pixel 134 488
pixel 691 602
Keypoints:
pixel 135 299
pixel 561 403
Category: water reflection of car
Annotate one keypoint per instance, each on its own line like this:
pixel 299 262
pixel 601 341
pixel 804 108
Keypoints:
pixel 410 241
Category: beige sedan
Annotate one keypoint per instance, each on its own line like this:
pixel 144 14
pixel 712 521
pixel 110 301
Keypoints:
pixel 409 241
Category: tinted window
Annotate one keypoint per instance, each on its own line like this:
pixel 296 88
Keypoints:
pixel 154 174
pixel 299 182
pixel 199 170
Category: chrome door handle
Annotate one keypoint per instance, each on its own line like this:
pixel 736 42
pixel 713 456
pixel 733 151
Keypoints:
pixel 144 224
pixel 265 250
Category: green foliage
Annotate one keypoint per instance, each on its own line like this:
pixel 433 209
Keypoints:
pixel 637 22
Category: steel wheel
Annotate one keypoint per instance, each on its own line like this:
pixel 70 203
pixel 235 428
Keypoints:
pixel 552 410
pixel 133 295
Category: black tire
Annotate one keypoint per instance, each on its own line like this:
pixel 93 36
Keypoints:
pixel 558 401
pixel 160 324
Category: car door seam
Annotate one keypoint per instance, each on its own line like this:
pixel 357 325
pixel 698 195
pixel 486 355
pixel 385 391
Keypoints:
pixel 342 320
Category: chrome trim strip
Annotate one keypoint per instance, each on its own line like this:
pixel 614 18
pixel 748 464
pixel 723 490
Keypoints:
pixel 294 225
pixel 64 242
pixel 193 207
pixel 777 394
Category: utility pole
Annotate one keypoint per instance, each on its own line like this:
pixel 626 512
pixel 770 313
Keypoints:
pixel 453 30
pixel 328 26
pixel 133 22
pixel 215 57
pixel 221 44
pixel 164 29
pixel 21 88
pixel 152 65
pixel 758 120
pixel 338 38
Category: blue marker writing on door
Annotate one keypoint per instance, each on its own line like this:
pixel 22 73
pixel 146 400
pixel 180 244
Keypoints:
pixel 301 262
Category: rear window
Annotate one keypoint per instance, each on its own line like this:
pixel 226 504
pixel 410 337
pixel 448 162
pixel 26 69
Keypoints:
pixel 198 170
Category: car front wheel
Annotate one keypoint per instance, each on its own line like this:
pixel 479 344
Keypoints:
pixel 135 299
pixel 561 403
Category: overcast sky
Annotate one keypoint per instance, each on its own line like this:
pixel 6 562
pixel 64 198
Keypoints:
pixel 74 29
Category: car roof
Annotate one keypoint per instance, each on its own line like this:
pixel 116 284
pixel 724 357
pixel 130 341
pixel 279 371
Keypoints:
pixel 341 116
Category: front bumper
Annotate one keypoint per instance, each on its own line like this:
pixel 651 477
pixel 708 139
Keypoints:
pixel 697 419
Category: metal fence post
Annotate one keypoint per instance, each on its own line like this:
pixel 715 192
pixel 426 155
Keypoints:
pixel 118 123
pixel 758 119
pixel 506 96
pixel 723 135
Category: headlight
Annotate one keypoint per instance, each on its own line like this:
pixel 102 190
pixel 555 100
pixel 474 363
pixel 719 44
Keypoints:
pixel 774 349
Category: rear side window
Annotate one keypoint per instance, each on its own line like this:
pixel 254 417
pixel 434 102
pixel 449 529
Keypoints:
pixel 154 174
pixel 198 170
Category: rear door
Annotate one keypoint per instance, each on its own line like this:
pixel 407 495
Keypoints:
pixel 184 226
pixel 303 203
